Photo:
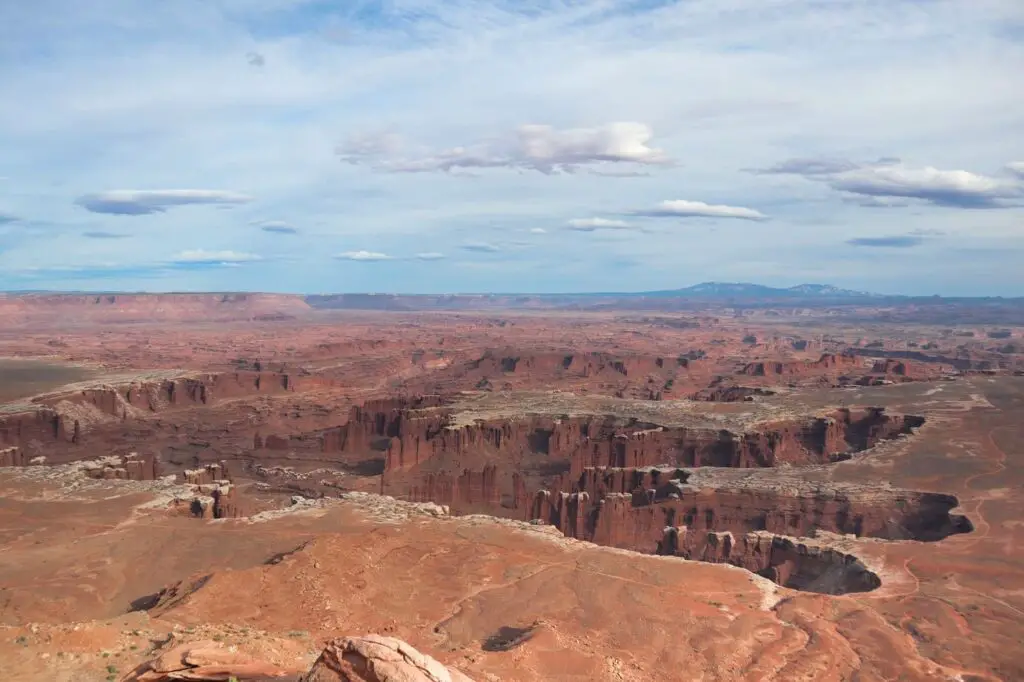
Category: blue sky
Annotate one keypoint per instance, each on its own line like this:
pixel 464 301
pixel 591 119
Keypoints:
pixel 543 145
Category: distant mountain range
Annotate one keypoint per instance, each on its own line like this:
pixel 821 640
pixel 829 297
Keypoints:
pixel 747 290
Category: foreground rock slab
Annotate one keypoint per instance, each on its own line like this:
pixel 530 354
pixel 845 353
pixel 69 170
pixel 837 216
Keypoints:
pixel 206 661
pixel 378 659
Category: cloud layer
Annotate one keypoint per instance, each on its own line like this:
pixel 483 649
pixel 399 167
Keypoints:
pixel 536 147
pixel 897 241
pixel 147 202
pixel 888 179
pixel 276 227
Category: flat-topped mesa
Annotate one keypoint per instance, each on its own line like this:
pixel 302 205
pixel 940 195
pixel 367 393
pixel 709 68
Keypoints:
pixel 66 416
pixel 410 441
pixel 65 309
pixel 893 371
pixel 588 364
pixel 816 440
pixel 130 467
pixel 638 375
pixel 827 363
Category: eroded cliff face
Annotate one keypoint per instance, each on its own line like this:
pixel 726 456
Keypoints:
pixel 786 561
pixel 66 417
pixel 634 375
pixel 411 433
pixel 827 363
pixel 628 508
pixel 469 491
pixel 509 361
pixel 23 430
pixel 749 524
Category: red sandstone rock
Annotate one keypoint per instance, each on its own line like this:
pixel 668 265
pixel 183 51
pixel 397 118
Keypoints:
pixel 373 658
pixel 414 438
pixel 827 362
pixel 208 474
pixel 131 467
pixel 204 661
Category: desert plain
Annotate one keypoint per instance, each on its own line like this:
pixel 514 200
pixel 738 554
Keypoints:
pixel 715 492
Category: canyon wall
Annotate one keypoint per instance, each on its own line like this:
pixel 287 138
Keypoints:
pixel 63 418
pixel 783 560
pixel 656 511
pixel 628 508
pixel 413 432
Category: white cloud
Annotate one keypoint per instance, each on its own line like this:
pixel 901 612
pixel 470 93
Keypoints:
pixel 431 255
pixel 1017 168
pixel 943 187
pixel 200 256
pixel 532 147
pixel 887 181
pixel 681 208
pixel 363 256
pixel 593 224
pixel 538 230
pixel 145 202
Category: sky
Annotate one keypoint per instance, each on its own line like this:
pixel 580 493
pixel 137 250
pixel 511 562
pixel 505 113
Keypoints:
pixel 443 146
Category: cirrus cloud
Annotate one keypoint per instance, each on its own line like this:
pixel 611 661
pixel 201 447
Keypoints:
pixel 146 202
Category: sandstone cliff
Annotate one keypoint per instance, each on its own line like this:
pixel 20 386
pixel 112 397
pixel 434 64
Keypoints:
pixel 66 417
pixel 828 363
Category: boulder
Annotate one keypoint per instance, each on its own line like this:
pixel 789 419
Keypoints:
pixel 373 658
